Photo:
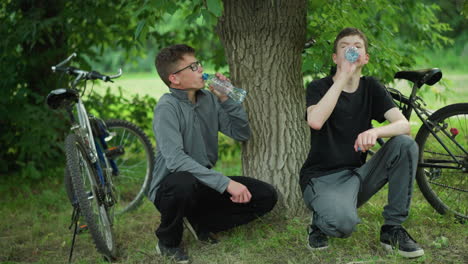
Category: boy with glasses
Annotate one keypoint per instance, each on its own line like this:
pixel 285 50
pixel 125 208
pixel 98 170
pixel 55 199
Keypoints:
pixel 335 178
pixel 184 186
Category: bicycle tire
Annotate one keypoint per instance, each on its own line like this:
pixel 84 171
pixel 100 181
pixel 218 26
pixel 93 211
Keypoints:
pixel 67 183
pixel 135 165
pixel 446 189
pixel 84 180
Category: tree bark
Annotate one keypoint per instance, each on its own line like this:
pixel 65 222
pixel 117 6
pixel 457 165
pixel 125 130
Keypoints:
pixel 263 40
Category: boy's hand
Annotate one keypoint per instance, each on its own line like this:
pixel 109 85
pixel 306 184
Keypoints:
pixel 365 141
pixel 222 97
pixel 349 68
pixel 239 193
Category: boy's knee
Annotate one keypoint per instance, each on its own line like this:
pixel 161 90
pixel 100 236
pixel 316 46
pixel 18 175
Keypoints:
pixel 183 186
pixel 339 225
pixel 340 229
pixel 272 197
pixel 406 142
pixel 266 199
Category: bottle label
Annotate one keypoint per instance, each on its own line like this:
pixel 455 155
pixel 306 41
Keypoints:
pixel 225 88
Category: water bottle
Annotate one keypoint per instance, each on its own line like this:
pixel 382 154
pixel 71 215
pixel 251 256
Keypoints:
pixel 351 54
pixel 225 87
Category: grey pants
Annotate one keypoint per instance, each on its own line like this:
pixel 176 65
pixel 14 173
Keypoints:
pixel 334 198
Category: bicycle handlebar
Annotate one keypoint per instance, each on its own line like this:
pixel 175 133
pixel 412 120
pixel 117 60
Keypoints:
pixel 63 62
pixel 81 74
pixel 93 75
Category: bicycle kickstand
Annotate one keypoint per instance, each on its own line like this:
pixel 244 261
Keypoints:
pixel 74 222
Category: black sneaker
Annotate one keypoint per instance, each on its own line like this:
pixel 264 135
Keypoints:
pixel 396 237
pixel 205 237
pixel 176 253
pixel 317 239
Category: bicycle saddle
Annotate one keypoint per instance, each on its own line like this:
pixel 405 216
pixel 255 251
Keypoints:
pixel 420 77
pixel 62 97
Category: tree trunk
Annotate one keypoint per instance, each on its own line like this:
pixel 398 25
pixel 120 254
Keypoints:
pixel 263 40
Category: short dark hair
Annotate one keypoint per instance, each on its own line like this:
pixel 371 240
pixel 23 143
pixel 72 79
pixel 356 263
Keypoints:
pixel 349 31
pixel 167 58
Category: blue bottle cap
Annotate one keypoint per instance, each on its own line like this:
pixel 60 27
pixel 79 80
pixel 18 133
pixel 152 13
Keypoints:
pixel 205 76
pixel 351 54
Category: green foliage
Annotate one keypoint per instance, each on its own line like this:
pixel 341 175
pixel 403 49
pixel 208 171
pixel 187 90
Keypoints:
pixel 454 13
pixel 190 22
pixel 452 59
pixel 163 23
pixel 229 153
pixel 39 34
pixel 397 32
pixel 112 104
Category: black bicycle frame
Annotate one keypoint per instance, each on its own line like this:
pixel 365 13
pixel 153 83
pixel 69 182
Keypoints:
pixel 411 104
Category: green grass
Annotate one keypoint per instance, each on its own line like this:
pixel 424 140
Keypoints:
pixel 35 219
pixel 453 88
pixel 136 83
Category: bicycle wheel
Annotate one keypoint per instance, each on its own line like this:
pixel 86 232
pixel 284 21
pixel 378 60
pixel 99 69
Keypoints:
pixel 442 171
pixel 89 195
pixel 67 182
pixel 135 165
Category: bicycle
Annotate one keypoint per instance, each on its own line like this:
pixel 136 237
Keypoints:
pixel 443 145
pixel 109 163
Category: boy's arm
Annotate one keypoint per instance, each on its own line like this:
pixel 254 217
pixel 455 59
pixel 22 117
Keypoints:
pixel 233 120
pixel 319 113
pixel 170 143
pixel 399 125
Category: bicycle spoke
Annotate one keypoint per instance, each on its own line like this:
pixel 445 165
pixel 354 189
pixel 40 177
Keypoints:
pixel 442 174
pixel 134 164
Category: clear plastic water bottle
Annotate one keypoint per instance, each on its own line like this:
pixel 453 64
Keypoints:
pixel 351 54
pixel 225 87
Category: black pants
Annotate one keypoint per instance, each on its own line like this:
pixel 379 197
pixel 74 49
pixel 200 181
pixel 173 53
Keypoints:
pixel 182 195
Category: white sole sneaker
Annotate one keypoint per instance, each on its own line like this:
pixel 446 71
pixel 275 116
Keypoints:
pixel 317 248
pixel 406 254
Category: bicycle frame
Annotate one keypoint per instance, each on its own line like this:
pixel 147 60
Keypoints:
pixel 83 128
pixel 415 103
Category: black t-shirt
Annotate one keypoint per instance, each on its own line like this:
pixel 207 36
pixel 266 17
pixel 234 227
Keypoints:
pixel 332 147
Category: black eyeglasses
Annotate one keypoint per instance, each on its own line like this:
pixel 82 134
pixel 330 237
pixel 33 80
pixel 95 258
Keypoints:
pixel 193 66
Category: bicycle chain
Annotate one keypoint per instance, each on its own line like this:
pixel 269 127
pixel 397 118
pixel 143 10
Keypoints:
pixel 441 184
pixel 441 154
pixel 449 187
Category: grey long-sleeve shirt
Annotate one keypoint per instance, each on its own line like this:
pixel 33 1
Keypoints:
pixel 187 136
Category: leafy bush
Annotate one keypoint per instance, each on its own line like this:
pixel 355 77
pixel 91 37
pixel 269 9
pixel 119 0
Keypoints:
pixel 137 109
pixel 228 148
pixel 36 35
pixel 35 142
pixel 32 141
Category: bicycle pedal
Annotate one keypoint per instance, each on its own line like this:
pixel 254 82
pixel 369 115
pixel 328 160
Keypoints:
pixel 82 229
pixel 114 152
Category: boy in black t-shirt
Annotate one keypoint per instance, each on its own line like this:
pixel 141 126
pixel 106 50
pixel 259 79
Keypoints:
pixel 335 179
